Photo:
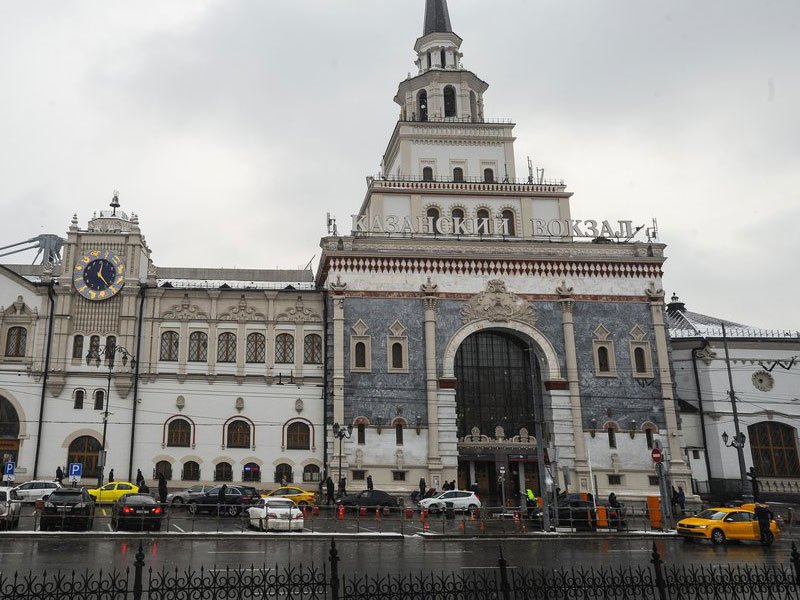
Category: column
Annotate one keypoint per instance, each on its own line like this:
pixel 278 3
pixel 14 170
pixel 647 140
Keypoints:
pixel 429 302
pixel 337 290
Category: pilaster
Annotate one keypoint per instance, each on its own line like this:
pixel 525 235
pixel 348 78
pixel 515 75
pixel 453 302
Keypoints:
pixel 429 302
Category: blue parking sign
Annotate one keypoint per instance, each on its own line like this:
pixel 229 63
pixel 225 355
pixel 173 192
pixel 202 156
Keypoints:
pixel 8 469
pixel 75 470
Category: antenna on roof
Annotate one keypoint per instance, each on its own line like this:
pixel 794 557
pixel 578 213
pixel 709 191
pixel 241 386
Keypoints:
pixel 652 232
pixel 308 264
pixel 530 170
pixel 633 234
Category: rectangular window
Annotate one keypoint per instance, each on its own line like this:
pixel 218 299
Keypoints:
pixel 615 480
pixel 359 475
pixel 362 434
pixel 653 479
pixel 696 454
pixel 398 475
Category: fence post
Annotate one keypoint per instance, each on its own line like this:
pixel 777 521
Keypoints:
pixel 333 558
pixel 659 571
pixel 505 589
pixel 137 573
pixel 795 559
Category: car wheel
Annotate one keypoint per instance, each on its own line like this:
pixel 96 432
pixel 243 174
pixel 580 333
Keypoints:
pixel 232 510
pixel 472 507
pixel 718 537
pixel 177 502
pixel 192 508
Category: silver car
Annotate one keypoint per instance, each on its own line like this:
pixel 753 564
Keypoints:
pixel 31 491
pixel 181 497
pixel 10 507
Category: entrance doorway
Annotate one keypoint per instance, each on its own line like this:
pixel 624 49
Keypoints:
pixel 9 432
pixel 86 451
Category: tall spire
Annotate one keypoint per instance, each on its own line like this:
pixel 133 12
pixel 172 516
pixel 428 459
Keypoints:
pixel 437 18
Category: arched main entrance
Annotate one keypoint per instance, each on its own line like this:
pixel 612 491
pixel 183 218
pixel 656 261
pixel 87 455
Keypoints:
pixel 9 432
pixel 86 451
pixel 499 386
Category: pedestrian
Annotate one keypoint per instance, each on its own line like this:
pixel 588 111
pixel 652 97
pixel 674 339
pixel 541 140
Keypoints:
pixel 221 500
pixel 329 490
pixel 764 516
pixel 422 487
pixel 674 500
pixel 681 499
pixel 162 488
pixel 453 484
pixel 369 482
pixel 530 501
pixel 445 486
pixel 139 478
pixel 343 487
pixel 612 500
pixel 59 475
pixel 111 476
pixel 283 481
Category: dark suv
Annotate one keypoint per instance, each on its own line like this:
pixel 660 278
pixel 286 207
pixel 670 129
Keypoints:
pixel 237 499
pixel 67 508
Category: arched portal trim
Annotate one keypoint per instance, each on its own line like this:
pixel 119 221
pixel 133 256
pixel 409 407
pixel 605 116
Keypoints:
pixel 22 419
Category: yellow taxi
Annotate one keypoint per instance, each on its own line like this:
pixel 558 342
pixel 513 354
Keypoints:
pixel 720 524
pixel 111 492
pixel 300 497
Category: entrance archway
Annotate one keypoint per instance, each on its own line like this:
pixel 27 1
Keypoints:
pixel 86 451
pixel 9 432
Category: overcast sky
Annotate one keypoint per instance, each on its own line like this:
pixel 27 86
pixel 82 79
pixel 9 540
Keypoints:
pixel 231 127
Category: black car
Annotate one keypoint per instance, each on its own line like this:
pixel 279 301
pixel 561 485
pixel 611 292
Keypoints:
pixel 138 512
pixel 237 499
pixel 67 508
pixel 369 499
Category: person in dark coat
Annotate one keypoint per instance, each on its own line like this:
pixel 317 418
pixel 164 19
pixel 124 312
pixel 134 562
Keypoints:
pixel 162 488
pixel 764 516
pixel 369 482
pixel 422 487
pixel 111 476
pixel 139 478
pixel 681 499
pixel 329 488
pixel 612 500
pixel 343 487
pixel 59 475
pixel 221 500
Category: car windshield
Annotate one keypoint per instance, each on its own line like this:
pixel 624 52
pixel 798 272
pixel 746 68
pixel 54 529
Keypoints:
pixel 280 504
pixel 138 499
pixel 66 495
pixel 712 515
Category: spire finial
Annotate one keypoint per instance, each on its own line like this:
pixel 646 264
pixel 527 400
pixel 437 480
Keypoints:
pixel 437 17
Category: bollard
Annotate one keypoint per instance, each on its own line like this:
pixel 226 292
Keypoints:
pixel 377 513
pixel 315 511
pixel 461 525
pixel 362 511
pixel 409 512
pixel 340 512
pixel 517 519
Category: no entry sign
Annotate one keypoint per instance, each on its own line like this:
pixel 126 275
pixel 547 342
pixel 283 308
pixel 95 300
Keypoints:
pixel 657 455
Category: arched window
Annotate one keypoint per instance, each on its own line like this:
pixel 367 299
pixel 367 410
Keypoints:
pixel 251 472
pixel 223 472
pixel 284 348
pixel 433 219
pixel 191 471
pixel 298 436
pixel 16 341
pixel 256 348
pixel 198 347
pixel 179 433
pixel 397 356
pixel 509 221
pixel 111 345
pixel 449 101
pixel 483 221
pixel 458 174
pixel 603 364
pixel 283 474
pixel 311 473
pixel 443 63
pixel 77 347
pixel 422 103
pixel 238 434
pixel 430 61
pixel 361 355
pixel 94 345
pixel 226 347
pixel 427 174
pixel 612 435
pixel 9 422
pixel 473 106
pixel 312 349
pixel 85 450
pixel 361 430
pixel 648 436
pixel 488 175
pixel 398 434
pixel 79 396
pixel 99 399
pixel 169 346
pixel 164 468
pixel 774 449
pixel 639 362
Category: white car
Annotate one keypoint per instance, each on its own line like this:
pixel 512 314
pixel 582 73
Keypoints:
pixel 276 514
pixel 460 499
pixel 10 507
pixel 31 491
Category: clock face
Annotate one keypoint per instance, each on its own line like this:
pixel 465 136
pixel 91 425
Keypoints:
pixel 99 275
pixel 763 380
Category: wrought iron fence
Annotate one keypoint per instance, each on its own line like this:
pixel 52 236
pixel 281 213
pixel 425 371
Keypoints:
pixel 656 581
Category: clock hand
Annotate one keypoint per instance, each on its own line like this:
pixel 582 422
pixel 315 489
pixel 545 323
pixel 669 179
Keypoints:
pixel 100 273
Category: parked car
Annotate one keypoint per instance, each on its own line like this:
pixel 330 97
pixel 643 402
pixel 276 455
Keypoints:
pixel 10 507
pixel 276 514
pixel 68 507
pixel 720 524
pixel 576 513
pixel 368 498
pixel 137 511
pixel 237 498
pixel 297 495
pixel 111 492
pixel 31 491
pixel 181 497
pixel 459 499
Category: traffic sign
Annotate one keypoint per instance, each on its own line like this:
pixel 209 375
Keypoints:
pixel 657 455
pixel 75 470
pixel 8 469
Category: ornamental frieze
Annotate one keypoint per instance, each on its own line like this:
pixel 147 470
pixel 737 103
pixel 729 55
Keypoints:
pixel 241 312
pixel 497 305
pixel 299 314
pixel 185 311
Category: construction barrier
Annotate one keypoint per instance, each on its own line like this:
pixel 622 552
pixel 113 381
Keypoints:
pixel 409 512
pixel 315 511
pixel 654 511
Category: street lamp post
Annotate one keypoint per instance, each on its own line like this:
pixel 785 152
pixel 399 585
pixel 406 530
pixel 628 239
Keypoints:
pixel 110 352
pixel 739 437
pixel 341 434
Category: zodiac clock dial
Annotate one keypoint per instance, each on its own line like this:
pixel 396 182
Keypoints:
pixel 99 275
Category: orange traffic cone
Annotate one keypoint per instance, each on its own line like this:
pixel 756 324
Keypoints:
pixel 483 527
pixel 425 525
pixel 461 525
pixel 340 512
pixel 378 514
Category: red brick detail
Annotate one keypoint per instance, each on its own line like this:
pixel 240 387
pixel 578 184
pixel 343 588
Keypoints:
pixel 556 385
pixel 447 383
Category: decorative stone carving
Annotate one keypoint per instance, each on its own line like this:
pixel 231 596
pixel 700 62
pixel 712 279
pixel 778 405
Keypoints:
pixel 242 313
pixel 429 288
pixel 706 354
pixel 499 433
pixel 359 459
pixel 185 311
pixel 337 287
pixel 498 305
pixel 523 441
pixel 298 405
pixel 299 314
pixel 399 458
pixel 655 294
pixel 563 291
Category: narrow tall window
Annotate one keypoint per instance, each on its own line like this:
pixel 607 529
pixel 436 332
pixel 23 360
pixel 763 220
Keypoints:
pixel 430 61
pixel 179 433
pixel 169 346
pixel 648 436
pixel 449 101
pixel 284 348
pixel 191 471
pixel 433 220
pixel 488 176
pixel 458 174
pixel 238 434
pixel 473 107
pixel 94 345
pixel 603 364
pixel 397 356
pixel 483 221
pixel 99 399
pixel 509 222
pixel 361 355
pixel 639 360
pixel 361 430
pixel 398 434
pixel 111 345
pixel 427 174
pixel 226 347
pixel 422 105
pixel 312 349
pixel 79 396
pixel 256 348
pixel 198 347
pixel 612 437
pixel 443 62
pixel 223 472
pixel 16 341
pixel 77 347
